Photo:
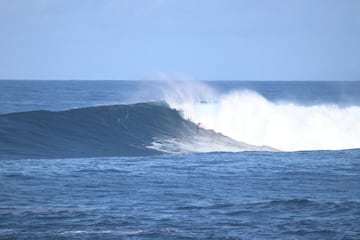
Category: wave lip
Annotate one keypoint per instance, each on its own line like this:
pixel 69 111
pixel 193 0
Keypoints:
pixel 104 131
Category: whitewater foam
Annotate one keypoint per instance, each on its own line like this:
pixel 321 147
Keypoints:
pixel 248 117
pixel 204 142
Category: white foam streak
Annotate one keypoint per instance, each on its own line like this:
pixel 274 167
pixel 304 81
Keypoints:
pixel 248 117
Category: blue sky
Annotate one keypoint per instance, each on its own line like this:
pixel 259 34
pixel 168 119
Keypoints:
pixel 199 39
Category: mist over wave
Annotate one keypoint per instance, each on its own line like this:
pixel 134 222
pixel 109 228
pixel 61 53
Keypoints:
pixel 224 116
pixel 248 117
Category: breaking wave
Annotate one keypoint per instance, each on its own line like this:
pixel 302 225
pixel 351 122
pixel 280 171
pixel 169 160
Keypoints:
pixel 192 118
pixel 104 131
pixel 247 116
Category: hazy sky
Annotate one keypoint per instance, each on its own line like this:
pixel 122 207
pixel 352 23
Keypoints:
pixel 200 39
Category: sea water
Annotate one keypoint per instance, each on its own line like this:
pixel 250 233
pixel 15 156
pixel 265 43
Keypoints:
pixel 302 190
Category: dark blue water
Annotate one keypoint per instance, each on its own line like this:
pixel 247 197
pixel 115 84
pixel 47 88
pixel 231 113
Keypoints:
pixel 303 195
pixel 218 195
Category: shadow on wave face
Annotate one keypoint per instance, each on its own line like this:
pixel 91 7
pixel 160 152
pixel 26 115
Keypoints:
pixel 140 129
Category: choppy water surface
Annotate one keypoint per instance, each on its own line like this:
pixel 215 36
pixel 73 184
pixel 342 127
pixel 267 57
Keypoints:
pixel 249 195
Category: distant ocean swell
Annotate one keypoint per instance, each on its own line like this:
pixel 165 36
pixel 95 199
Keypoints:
pixel 118 130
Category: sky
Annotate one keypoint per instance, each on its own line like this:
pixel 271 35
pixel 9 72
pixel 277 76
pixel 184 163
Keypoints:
pixel 197 39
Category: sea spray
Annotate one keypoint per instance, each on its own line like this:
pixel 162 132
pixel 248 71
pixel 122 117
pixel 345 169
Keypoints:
pixel 248 117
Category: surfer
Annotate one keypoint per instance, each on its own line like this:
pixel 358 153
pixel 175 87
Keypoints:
pixel 198 126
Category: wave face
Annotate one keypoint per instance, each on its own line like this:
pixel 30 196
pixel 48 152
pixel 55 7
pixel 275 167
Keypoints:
pixel 249 117
pixel 118 130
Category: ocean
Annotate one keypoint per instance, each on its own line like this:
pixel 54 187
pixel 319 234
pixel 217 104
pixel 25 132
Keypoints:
pixel 179 160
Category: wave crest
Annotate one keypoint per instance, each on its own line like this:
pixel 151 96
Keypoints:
pixel 104 131
pixel 248 117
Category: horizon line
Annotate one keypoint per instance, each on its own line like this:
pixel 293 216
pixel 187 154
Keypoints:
pixel 202 80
